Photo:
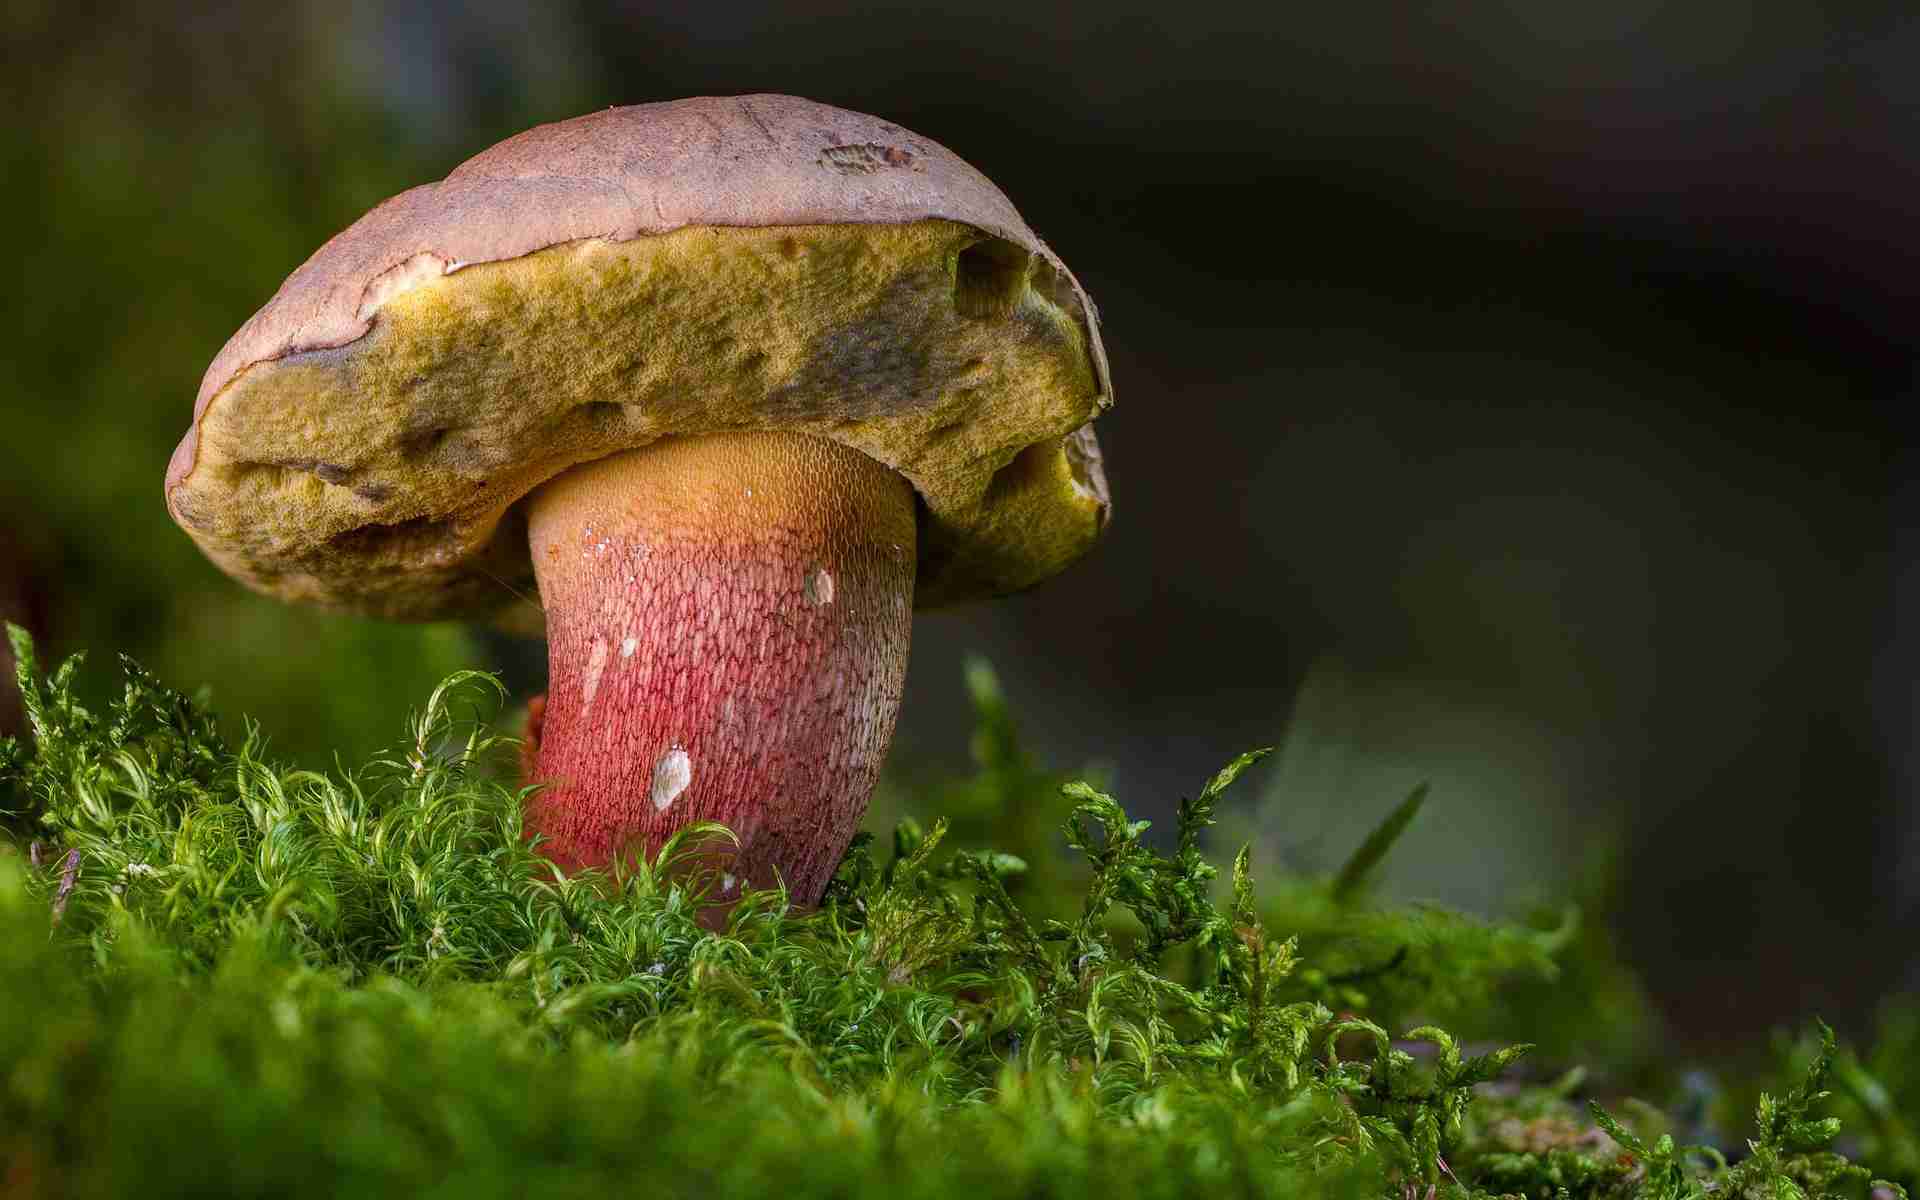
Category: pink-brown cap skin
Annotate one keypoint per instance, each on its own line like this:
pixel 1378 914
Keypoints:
pixel 617 175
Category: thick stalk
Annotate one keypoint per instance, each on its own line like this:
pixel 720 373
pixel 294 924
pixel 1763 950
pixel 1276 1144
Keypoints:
pixel 728 619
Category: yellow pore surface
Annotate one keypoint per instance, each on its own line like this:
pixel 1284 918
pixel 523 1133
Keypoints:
pixel 384 475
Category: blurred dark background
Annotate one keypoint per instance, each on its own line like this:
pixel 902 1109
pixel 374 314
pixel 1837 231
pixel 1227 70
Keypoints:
pixel 1511 395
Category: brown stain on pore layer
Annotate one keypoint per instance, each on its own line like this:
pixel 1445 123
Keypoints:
pixel 904 342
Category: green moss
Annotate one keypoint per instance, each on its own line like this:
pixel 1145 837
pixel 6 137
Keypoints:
pixel 219 974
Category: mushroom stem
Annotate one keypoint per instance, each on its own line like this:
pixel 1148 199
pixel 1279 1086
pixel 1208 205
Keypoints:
pixel 727 623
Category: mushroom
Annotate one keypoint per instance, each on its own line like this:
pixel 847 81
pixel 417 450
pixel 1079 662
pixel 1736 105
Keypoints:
pixel 734 384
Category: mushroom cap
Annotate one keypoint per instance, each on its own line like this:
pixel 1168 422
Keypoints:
pixel 586 287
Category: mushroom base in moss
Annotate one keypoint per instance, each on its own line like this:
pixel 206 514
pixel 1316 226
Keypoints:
pixel 728 619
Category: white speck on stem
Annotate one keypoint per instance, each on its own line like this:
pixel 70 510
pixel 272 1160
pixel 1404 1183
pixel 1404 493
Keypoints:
pixel 629 646
pixel 727 882
pixel 671 775
pixel 590 685
pixel 818 587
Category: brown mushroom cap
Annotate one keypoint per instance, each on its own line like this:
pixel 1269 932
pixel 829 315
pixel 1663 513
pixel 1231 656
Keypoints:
pixel 590 286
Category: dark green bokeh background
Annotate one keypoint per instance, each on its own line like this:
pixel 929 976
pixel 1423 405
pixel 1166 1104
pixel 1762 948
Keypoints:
pixel 1513 398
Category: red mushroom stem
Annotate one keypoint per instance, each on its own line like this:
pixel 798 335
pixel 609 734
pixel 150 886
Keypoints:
pixel 728 619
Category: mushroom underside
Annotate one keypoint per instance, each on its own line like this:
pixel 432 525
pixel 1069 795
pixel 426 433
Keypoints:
pixel 387 475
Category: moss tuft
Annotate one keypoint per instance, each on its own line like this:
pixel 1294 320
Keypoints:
pixel 219 974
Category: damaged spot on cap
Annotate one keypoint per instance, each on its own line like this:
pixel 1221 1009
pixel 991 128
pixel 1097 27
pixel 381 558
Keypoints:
pixel 867 158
